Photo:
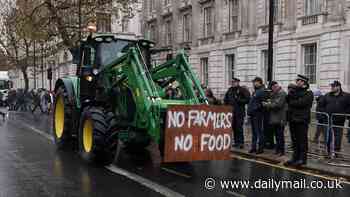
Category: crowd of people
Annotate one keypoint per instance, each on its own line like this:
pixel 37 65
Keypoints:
pixel 22 100
pixel 270 109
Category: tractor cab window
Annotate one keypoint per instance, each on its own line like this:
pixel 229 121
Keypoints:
pixel 107 52
pixel 4 84
pixel 88 56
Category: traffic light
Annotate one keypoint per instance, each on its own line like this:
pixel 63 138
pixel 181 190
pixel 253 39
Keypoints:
pixel 49 73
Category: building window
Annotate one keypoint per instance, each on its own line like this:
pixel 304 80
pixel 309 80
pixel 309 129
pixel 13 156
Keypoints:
pixel 125 25
pixel 310 61
pixel 276 11
pixel 186 22
pixel 204 71
pixel 168 33
pixel 152 5
pixel 152 32
pixel 208 22
pixel 103 22
pixel 230 64
pixel 169 56
pixel 265 64
pixel 167 2
pixel 233 15
pixel 312 7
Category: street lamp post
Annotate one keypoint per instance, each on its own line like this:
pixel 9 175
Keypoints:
pixel 42 65
pixel 79 13
pixel 34 64
pixel 270 42
pixel 49 73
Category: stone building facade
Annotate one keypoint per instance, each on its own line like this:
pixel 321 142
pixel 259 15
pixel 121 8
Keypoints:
pixel 228 38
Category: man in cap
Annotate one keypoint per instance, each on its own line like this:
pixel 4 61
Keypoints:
pixel 256 113
pixel 337 102
pixel 300 100
pixel 238 97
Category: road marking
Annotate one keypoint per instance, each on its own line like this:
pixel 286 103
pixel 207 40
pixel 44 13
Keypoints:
pixel 176 172
pixel 40 132
pixel 288 169
pixel 145 182
pixel 134 177
pixel 235 194
pixel 339 164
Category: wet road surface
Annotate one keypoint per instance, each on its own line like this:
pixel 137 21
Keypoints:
pixel 31 166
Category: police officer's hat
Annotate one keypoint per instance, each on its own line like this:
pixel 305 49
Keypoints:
pixel 235 79
pixel 303 78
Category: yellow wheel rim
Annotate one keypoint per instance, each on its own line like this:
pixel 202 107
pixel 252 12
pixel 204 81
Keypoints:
pixel 87 135
pixel 59 117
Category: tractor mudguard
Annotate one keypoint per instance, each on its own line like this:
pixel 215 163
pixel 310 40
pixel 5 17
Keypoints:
pixel 71 84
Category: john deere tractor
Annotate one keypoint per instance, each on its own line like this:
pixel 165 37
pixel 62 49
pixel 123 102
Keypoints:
pixel 118 97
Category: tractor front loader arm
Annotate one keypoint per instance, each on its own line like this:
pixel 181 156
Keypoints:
pixel 180 70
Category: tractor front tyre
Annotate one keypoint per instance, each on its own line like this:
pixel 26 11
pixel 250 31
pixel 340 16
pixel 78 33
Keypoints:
pixel 93 135
pixel 62 120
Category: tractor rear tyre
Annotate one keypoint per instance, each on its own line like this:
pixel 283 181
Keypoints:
pixel 62 120
pixel 93 137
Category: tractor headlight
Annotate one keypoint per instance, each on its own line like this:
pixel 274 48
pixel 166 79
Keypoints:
pixel 89 78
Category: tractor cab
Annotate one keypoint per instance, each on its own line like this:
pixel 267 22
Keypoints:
pixel 99 51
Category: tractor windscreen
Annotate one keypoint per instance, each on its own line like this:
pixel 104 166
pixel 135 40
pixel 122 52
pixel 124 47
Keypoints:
pixel 4 84
pixel 107 52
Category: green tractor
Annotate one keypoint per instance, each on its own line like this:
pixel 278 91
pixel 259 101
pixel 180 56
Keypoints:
pixel 117 97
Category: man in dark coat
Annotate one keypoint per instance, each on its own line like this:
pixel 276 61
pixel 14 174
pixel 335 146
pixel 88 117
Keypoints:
pixel 337 102
pixel 300 102
pixel 238 97
pixel 256 112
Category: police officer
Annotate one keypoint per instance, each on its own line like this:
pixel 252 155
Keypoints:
pixel 238 97
pixel 300 100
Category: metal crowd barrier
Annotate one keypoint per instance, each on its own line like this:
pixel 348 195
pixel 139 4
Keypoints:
pixel 327 125
pixel 324 146
pixel 331 133
pixel 322 128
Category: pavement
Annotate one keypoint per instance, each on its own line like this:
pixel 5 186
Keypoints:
pixel 318 159
pixel 30 165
